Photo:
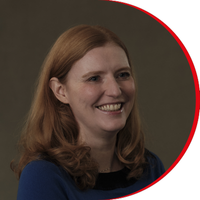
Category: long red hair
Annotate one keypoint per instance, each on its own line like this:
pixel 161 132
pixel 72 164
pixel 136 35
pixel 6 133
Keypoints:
pixel 51 130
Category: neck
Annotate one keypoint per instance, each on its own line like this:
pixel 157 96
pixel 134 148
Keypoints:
pixel 103 151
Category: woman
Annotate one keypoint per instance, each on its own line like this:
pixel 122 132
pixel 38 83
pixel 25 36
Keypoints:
pixel 83 138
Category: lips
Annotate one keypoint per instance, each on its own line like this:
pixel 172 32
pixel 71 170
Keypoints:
pixel 110 107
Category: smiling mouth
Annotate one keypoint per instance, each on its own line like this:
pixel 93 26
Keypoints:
pixel 110 107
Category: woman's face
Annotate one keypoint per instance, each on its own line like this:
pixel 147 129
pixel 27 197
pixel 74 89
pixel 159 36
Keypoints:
pixel 100 90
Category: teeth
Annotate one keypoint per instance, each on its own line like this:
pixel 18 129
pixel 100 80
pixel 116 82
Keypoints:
pixel 112 107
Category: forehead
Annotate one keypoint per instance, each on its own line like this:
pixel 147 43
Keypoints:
pixel 105 57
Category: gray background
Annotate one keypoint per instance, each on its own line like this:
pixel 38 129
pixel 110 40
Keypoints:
pixel 28 29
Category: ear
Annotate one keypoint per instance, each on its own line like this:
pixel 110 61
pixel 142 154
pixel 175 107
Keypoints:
pixel 59 90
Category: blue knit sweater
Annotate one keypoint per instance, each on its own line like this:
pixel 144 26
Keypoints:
pixel 43 180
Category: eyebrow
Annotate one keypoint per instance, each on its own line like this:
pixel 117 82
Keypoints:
pixel 124 68
pixel 93 73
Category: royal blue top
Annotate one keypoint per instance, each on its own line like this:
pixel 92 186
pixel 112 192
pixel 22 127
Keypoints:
pixel 43 180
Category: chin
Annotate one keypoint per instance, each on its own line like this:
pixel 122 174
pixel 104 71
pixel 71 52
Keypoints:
pixel 115 128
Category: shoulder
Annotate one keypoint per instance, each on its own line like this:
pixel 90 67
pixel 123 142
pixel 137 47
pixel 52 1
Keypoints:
pixel 155 165
pixel 152 157
pixel 40 167
pixel 41 179
pixel 40 170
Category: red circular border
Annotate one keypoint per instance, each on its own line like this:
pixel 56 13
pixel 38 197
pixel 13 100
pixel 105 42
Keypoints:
pixel 197 93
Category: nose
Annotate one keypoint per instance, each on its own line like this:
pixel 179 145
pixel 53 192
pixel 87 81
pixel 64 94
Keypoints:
pixel 112 88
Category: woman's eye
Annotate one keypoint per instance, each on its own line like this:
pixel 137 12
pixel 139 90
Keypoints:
pixel 94 78
pixel 124 75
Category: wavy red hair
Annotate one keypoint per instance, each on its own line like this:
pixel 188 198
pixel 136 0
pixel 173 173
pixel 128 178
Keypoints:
pixel 51 130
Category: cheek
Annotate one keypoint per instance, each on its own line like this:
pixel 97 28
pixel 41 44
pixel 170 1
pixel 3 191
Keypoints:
pixel 130 90
pixel 89 94
pixel 90 91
